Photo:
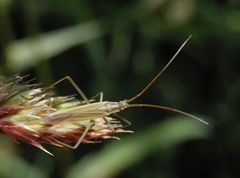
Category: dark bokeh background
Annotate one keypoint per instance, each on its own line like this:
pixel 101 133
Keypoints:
pixel 117 47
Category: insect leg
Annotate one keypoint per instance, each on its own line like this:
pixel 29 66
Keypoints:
pixel 79 140
pixel 71 81
pixel 109 125
pixel 128 123
pixel 83 135
pixel 100 94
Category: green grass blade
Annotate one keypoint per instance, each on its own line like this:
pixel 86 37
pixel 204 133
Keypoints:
pixel 27 52
pixel 118 156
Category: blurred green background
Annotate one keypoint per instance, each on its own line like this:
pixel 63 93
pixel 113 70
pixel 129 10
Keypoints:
pixel 117 47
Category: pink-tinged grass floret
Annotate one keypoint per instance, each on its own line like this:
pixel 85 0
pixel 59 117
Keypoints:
pixel 36 116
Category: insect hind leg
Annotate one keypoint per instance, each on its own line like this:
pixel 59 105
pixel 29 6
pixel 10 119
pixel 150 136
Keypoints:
pixel 73 83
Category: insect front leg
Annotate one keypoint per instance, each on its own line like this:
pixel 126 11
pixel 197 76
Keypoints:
pixel 127 123
pixel 109 125
pixel 71 81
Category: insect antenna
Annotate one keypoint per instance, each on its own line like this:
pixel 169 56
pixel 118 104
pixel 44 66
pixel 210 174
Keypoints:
pixel 159 74
pixel 153 81
pixel 168 109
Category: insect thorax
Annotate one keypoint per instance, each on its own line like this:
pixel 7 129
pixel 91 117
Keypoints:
pixel 114 107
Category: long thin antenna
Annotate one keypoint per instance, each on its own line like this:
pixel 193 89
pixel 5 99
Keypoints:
pixel 168 109
pixel 157 76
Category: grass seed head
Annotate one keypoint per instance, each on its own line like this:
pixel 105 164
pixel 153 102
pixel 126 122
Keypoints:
pixel 36 116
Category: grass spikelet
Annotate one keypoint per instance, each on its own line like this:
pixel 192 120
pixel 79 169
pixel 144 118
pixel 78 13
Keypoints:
pixel 36 116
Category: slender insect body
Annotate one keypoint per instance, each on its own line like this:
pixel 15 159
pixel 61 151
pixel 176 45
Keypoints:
pixel 102 108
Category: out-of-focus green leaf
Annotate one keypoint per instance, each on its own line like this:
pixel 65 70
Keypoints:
pixel 118 156
pixel 4 4
pixel 12 166
pixel 27 52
